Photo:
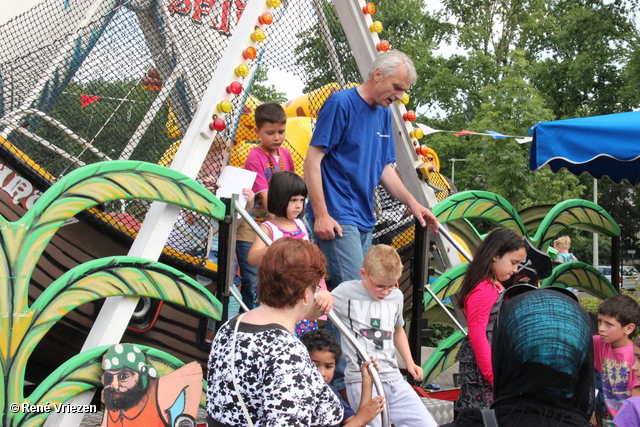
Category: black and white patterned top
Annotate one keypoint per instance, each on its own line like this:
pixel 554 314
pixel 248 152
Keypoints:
pixel 279 383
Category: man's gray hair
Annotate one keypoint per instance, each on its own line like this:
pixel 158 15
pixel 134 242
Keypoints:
pixel 389 61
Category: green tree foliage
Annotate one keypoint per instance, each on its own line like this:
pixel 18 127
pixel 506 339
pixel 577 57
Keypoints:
pixel 625 200
pixel 312 53
pixel 265 93
pixel 578 55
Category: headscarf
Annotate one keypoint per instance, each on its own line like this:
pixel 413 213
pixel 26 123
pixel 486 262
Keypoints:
pixel 128 356
pixel 543 356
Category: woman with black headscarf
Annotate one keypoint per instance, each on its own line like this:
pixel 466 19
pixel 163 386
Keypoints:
pixel 542 362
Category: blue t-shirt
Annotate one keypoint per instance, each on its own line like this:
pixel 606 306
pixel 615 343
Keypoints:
pixel 348 410
pixel 357 140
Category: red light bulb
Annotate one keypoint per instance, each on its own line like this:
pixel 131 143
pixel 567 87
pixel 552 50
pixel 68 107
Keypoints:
pixel 383 46
pixel 235 88
pixel 409 116
pixel 218 124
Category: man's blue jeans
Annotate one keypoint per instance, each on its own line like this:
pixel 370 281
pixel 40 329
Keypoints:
pixel 344 257
pixel 248 272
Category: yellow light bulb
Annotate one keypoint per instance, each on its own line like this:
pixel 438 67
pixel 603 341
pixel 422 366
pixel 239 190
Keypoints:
pixel 258 35
pixel 242 70
pixel 376 27
pixel 224 107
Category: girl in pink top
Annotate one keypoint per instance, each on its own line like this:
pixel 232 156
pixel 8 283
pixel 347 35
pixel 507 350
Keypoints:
pixel 495 261
pixel 287 194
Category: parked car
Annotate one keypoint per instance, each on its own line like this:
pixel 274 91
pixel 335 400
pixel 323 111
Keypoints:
pixel 628 279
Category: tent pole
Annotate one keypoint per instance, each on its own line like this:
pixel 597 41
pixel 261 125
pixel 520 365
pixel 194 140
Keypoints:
pixel 595 235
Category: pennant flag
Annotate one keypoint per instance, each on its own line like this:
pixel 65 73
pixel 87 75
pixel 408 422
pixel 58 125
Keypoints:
pixel 88 99
pixel 428 130
pixel 524 140
pixel 465 132
pixel 497 135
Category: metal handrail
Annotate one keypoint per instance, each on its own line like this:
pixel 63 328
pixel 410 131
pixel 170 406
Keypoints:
pixel 346 333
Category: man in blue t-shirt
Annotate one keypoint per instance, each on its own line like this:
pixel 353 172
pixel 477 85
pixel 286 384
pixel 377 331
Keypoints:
pixel 351 152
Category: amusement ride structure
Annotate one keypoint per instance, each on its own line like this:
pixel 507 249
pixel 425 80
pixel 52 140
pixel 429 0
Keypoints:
pixel 111 110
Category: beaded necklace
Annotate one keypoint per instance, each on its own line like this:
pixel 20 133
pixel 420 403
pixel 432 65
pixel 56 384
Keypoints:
pixel 269 156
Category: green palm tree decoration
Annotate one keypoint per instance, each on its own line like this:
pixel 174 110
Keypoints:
pixel 456 211
pixel 580 275
pixel 23 242
pixel 549 220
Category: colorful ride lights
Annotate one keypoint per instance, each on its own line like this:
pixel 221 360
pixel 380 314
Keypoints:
pixel 422 150
pixel 273 3
pixel 217 124
pixel 409 116
pixel 376 27
pixel 266 18
pixel 224 106
pixel 369 9
pixel 383 46
pixel 405 99
pixel 242 70
pixel 250 53
pixel 416 133
pixel 258 35
pixel 234 88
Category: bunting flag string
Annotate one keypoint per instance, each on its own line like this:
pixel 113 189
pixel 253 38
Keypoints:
pixel 495 135
pixel 89 99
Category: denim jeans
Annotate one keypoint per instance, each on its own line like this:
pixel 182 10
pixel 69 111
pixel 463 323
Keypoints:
pixel 248 272
pixel 344 257
pixel 345 254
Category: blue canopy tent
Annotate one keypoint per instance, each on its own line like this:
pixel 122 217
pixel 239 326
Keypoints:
pixel 601 146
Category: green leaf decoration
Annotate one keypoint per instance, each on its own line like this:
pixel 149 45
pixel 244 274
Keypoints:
pixel 532 216
pixel 106 277
pixel 98 183
pixel 581 276
pixel 446 285
pixel 84 372
pixel 480 204
pixel 575 213
pixel 442 357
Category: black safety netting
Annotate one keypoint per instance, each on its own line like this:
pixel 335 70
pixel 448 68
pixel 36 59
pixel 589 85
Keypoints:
pixel 81 83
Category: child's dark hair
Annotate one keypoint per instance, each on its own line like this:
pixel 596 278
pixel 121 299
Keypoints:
pixel 270 112
pixel 499 242
pixel 624 308
pixel 321 340
pixel 283 186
